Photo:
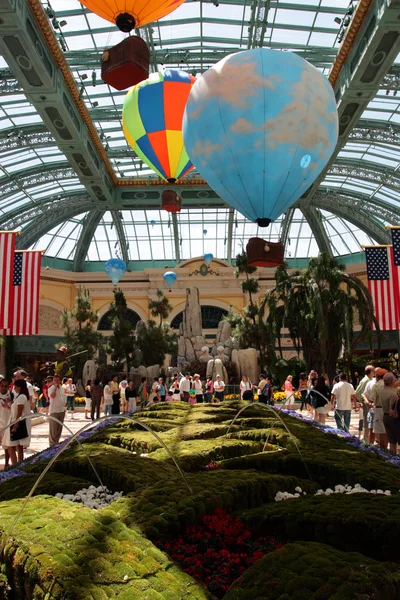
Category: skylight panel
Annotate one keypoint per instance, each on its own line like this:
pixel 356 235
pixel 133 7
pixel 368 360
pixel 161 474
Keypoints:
pixel 322 39
pixel 290 37
pixel 80 42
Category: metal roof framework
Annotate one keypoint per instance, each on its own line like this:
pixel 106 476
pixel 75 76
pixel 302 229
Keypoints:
pixel 87 197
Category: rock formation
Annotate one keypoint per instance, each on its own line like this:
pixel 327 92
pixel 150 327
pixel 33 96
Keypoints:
pixel 192 347
pixel 191 341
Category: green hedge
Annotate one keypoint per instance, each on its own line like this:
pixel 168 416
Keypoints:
pixel 165 509
pixel 329 469
pixel 194 454
pixel 158 503
pixel 312 571
pixel 117 468
pixel 355 523
pixel 63 551
pixel 51 484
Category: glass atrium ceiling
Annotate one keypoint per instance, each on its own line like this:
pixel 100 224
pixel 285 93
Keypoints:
pixel 358 197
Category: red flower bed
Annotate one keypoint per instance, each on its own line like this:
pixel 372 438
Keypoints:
pixel 218 550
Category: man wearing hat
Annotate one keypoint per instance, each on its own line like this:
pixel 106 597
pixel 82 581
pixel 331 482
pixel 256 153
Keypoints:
pixel 369 397
pixel 219 388
pixel 62 365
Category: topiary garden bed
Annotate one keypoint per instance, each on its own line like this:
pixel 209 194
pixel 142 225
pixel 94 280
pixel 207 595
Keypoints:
pixel 338 546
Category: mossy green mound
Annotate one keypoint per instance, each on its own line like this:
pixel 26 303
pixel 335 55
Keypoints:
pixel 339 466
pixel 194 454
pixel 165 509
pixel 52 483
pixel 356 523
pixel 118 469
pixel 48 545
pixel 311 571
pixel 63 551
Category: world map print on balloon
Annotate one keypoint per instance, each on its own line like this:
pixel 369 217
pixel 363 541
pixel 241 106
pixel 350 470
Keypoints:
pixel 260 126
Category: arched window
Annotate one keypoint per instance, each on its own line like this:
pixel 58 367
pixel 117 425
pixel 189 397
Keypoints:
pixel 210 317
pixel 105 321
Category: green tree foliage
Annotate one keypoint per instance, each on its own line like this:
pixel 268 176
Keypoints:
pixel 121 343
pixel 155 341
pixel 249 325
pixel 80 332
pixel 161 307
pixel 320 306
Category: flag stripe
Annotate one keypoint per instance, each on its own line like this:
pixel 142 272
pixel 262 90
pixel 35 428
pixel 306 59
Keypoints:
pixel 395 288
pixel 7 250
pixel 26 284
pixel 383 284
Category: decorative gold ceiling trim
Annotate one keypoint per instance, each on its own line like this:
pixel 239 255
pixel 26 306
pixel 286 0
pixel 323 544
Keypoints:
pixel 154 182
pixel 348 41
pixel 56 52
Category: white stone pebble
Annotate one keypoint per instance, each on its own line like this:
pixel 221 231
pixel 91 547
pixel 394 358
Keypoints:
pixel 92 497
pixel 339 489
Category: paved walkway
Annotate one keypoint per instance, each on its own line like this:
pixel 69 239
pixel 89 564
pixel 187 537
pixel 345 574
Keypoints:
pixel 40 432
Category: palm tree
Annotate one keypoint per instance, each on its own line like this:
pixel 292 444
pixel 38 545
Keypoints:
pixel 319 307
pixel 161 307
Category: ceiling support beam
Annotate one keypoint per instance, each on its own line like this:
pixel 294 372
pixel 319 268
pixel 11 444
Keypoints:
pixel 30 48
pixel 364 219
pixel 21 215
pixel 89 227
pixel 230 235
pixel 314 219
pixel 175 229
pixel 20 180
pixel 47 221
pixel 364 58
pixel 358 202
pixel 285 226
pixel 123 244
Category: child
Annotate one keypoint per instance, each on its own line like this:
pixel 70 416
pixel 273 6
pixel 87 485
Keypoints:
pixel 169 397
pixel 192 397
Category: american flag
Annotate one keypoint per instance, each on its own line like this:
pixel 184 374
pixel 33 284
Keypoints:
pixel 383 284
pixel 24 319
pixel 396 244
pixel 7 249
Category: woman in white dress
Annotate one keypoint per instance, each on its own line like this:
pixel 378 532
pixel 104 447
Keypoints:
pixel 176 394
pixel 19 408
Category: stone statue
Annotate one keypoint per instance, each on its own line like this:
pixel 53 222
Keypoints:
pixel 140 326
pixel 216 367
pixel 89 372
pixel 205 355
pixel 221 354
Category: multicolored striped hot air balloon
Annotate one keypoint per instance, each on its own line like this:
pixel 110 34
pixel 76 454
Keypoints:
pixel 152 122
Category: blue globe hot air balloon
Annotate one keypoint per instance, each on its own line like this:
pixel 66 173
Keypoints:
pixel 152 222
pixel 204 231
pixel 260 126
pixel 208 258
pixel 115 268
pixel 169 278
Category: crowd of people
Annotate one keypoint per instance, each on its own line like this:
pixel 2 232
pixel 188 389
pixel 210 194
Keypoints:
pixel 375 398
